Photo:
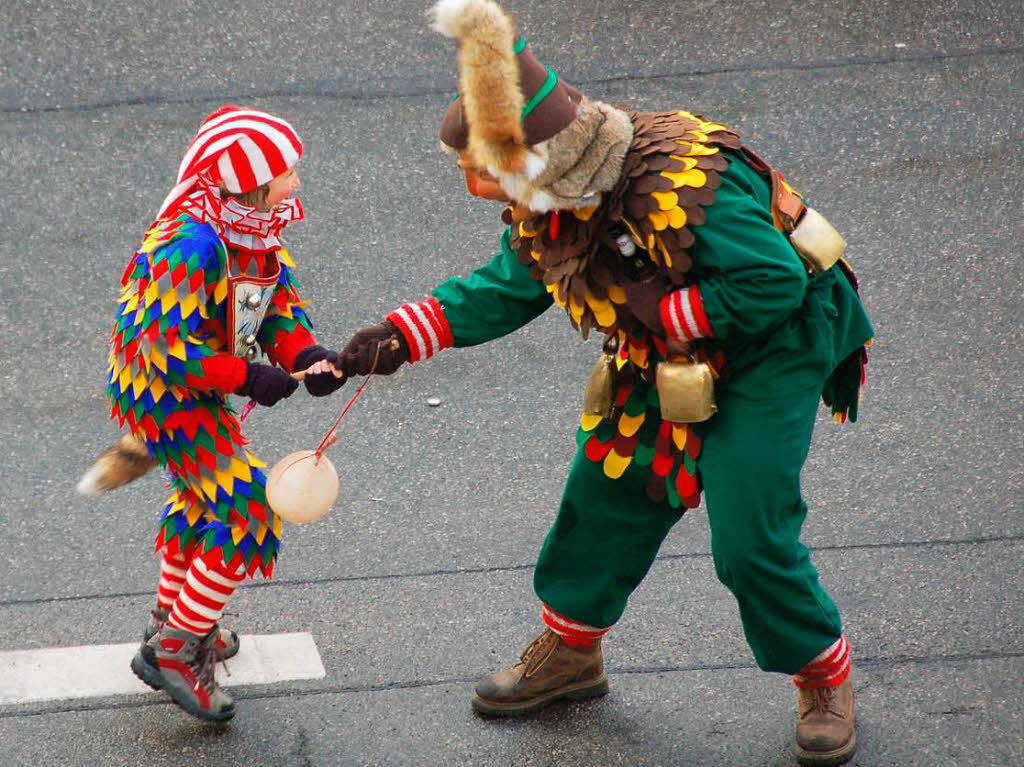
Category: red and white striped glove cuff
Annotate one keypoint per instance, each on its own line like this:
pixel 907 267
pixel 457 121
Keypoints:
pixel 829 669
pixel 682 314
pixel 424 327
pixel 570 629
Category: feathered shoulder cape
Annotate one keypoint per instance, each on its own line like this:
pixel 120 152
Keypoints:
pixel 669 176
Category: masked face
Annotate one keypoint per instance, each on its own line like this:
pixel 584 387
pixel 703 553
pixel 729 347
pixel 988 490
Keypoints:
pixel 479 182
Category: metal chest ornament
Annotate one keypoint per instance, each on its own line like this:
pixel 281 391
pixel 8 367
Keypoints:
pixel 250 298
pixel 303 485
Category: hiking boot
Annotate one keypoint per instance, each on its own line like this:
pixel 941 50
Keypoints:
pixel 224 646
pixel 548 670
pixel 825 732
pixel 182 663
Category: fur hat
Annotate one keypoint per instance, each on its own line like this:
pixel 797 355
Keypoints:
pixel 549 146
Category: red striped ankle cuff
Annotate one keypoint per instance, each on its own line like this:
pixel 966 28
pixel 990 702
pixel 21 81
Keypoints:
pixel 572 632
pixel 828 669
pixel 424 327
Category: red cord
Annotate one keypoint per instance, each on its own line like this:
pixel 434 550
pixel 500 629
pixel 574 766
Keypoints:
pixel 329 438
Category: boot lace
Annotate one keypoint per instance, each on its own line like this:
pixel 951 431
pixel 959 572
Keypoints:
pixel 535 647
pixel 204 667
pixel 823 700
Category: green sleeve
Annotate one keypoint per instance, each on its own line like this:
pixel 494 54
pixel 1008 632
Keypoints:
pixel 497 298
pixel 750 278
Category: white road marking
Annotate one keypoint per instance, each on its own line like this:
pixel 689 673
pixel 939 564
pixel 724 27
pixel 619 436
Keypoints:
pixel 62 673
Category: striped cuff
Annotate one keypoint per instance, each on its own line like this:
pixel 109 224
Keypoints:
pixel 425 329
pixel 829 669
pixel 570 630
pixel 682 314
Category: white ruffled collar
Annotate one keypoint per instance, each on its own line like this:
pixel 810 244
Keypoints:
pixel 241 226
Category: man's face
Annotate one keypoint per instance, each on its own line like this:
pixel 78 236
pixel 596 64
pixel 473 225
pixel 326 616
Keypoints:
pixel 479 182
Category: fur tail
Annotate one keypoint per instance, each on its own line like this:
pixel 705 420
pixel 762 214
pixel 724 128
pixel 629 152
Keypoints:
pixel 488 79
pixel 120 463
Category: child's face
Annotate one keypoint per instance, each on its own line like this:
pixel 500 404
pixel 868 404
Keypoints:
pixel 281 187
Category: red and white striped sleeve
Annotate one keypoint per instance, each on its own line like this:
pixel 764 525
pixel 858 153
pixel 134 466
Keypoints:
pixel 424 327
pixel 682 314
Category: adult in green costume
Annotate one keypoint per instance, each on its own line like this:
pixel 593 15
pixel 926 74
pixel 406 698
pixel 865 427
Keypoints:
pixel 661 231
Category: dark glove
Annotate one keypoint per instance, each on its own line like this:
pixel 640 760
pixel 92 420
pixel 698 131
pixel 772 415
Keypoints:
pixel 319 384
pixel 358 357
pixel 644 301
pixel 266 384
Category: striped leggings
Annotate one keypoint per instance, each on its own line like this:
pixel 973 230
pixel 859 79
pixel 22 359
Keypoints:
pixel 195 591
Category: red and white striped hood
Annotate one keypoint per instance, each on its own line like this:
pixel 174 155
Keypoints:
pixel 241 149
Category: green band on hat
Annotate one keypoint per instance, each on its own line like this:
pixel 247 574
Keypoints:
pixel 520 45
pixel 541 94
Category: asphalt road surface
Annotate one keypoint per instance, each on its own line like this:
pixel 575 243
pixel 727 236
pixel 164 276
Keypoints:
pixel 901 121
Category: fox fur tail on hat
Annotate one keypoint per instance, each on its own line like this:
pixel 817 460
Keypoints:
pixel 119 464
pixel 488 79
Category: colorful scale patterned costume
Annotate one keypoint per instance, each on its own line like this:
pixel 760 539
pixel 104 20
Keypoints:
pixel 670 175
pixel 167 372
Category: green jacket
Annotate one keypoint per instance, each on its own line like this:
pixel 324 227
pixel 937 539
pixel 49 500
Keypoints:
pixel 779 329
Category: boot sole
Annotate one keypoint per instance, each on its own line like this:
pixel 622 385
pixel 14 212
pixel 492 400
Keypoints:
pixel 826 758
pixel 579 691
pixel 184 702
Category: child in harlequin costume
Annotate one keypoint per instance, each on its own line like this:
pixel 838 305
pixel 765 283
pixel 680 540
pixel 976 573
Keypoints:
pixel 664 233
pixel 208 289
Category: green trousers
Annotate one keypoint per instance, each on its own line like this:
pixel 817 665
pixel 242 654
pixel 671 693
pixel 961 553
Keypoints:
pixel 607 532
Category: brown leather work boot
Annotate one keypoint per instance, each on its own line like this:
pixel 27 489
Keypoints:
pixel 548 670
pixel 825 732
